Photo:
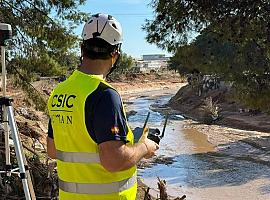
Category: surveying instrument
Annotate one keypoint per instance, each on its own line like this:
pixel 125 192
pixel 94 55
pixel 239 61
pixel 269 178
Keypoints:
pixel 9 124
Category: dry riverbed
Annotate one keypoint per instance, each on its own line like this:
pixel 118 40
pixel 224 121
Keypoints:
pixel 227 144
pixel 237 159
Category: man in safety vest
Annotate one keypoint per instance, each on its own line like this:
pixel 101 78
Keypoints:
pixel 88 131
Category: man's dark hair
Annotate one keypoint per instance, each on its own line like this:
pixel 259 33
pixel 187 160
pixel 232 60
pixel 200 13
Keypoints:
pixel 97 48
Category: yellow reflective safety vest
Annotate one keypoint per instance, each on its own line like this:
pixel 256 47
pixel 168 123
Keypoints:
pixel 81 176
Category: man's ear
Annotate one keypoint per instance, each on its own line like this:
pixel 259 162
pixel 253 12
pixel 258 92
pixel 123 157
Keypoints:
pixel 115 55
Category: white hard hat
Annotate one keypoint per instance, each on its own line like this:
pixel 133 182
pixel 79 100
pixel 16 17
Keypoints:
pixel 103 26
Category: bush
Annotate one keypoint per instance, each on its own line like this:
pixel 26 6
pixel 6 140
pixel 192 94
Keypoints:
pixel 211 110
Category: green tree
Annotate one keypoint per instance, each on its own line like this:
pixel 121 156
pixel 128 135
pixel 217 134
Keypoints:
pixel 246 66
pixel 125 62
pixel 209 55
pixel 233 20
pixel 43 33
pixel 233 42
pixel 43 41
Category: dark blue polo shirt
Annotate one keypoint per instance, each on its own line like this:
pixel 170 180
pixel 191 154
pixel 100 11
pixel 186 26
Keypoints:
pixel 103 115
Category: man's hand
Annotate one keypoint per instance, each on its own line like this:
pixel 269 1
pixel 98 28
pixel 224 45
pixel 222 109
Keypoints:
pixel 149 144
pixel 117 156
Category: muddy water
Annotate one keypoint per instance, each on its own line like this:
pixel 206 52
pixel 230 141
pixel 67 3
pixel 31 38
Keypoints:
pixel 197 170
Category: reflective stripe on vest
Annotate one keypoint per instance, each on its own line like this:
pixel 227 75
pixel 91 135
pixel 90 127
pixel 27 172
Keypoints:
pixel 77 157
pixel 99 188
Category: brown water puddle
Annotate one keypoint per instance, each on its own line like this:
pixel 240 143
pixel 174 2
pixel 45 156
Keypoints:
pixel 199 141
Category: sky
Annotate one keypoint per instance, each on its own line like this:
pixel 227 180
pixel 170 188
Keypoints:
pixel 131 14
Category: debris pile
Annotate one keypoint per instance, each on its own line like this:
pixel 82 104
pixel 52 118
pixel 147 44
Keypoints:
pixel 43 173
pixel 163 195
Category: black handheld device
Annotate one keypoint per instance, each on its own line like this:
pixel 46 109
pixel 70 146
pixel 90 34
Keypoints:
pixel 156 136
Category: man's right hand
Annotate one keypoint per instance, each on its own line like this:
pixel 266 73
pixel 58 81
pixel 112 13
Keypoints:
pixel 149 144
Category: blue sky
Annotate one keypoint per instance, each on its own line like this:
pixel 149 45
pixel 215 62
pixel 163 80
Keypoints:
pixel 131 14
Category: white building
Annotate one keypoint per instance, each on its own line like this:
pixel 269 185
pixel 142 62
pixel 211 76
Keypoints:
pixel 155 57
pixel 152 62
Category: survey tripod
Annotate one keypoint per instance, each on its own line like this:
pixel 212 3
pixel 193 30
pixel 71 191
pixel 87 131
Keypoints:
pixel 9 124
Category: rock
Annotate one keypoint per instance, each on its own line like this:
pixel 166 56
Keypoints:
pixel 131 113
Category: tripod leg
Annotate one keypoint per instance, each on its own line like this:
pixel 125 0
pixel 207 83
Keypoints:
pixel 28 176
pixel 31 187
pixel 4 77
pixel 4 72
pixel 7 149
pixel 19 152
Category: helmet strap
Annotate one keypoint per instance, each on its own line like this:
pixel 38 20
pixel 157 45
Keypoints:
pixel 81 59
pixel 114 66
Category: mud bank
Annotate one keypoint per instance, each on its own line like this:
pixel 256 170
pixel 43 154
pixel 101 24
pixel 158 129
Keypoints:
pixel 231 113
pixel 249 129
